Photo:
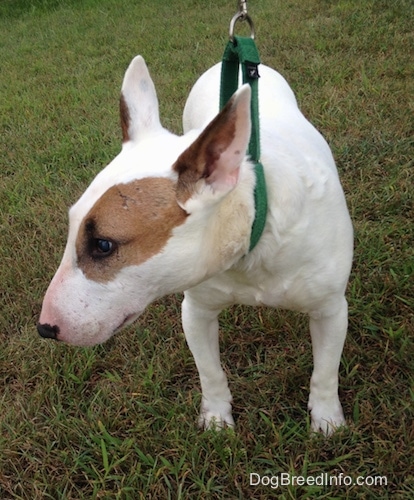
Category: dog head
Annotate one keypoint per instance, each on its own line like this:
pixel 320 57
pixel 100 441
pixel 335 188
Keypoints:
pixel 152 222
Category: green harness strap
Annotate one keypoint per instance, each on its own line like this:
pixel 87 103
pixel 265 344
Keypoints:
pixel 242 50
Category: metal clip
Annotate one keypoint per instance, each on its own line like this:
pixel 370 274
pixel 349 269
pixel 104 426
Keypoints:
pixel 242 15
pixel 243 8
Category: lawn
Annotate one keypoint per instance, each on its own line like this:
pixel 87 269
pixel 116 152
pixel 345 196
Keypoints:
pixel 119 421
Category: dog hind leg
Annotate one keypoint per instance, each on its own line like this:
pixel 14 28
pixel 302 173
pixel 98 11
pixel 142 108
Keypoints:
pixel 328 334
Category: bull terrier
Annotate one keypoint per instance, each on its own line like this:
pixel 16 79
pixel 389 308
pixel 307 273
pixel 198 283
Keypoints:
pixel 174 213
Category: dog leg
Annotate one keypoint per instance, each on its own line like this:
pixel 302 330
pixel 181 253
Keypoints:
pixel 201 331
pixel 328 336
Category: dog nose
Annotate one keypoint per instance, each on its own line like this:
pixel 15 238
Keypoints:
pixel 47 331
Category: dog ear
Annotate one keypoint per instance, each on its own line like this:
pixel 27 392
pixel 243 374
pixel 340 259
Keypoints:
pixel 138 103
pixel 209 168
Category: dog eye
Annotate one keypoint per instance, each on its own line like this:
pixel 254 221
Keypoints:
pixel 103 248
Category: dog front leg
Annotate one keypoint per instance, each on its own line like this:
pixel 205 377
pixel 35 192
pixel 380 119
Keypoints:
pixel 328 336
pixel 201 331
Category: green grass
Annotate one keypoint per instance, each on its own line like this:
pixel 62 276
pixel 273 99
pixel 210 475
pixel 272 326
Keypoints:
pixel 119 420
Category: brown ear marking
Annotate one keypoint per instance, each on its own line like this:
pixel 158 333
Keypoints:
pixel 199 160
pixel 125 118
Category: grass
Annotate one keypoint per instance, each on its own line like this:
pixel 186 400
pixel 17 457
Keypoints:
pixel 118 420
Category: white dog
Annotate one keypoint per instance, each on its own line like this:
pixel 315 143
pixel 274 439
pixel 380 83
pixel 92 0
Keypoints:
pixel 175 213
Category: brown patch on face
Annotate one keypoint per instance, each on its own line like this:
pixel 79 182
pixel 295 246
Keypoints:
pixel 129 224
pixel 125 118
pixel 199 160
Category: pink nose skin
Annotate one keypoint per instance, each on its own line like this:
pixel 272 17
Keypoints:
pixel 47 331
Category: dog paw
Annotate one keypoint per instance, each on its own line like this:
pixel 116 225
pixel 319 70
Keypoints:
pixel 327 416
pixel 327 426
pixel 327 422
pixel 215 419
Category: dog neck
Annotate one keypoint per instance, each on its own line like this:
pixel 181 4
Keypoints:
pixel 229 233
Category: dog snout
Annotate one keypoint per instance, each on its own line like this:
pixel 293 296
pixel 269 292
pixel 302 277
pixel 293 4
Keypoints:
pixel 47 331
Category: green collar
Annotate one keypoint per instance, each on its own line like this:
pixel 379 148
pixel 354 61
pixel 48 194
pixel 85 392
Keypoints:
pixel 242 50
pixel 260 205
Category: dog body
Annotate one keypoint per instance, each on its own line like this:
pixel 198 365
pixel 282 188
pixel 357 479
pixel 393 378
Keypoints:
pixel 175 213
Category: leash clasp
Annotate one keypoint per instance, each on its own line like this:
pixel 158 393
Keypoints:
pixel 241 15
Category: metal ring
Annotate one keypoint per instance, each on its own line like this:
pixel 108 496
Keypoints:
pixel 240 16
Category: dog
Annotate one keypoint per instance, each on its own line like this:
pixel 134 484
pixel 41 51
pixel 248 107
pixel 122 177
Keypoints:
pixel 174 213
